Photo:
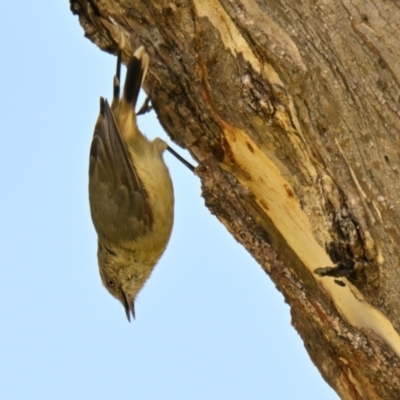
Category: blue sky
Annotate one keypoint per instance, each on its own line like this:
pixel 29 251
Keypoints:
pixel 209 323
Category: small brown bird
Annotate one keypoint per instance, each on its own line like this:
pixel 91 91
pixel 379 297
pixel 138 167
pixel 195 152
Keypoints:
pixel 130 191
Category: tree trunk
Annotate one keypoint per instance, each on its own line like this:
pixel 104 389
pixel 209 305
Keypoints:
pixel 292 110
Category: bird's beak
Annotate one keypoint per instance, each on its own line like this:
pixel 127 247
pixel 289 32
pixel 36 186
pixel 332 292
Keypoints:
pixel 129 308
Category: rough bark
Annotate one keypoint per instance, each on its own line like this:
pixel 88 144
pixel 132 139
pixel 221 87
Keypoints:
pixel 292 110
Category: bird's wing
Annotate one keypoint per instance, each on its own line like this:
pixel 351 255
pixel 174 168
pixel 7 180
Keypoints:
pixel 119 203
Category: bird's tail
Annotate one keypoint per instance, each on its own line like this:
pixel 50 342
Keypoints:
pixel 135 75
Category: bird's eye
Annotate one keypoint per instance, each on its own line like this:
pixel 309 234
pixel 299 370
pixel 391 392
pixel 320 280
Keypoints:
pixel 110 282
pixel 109 251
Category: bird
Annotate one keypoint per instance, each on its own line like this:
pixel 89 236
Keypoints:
pixel 130 190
